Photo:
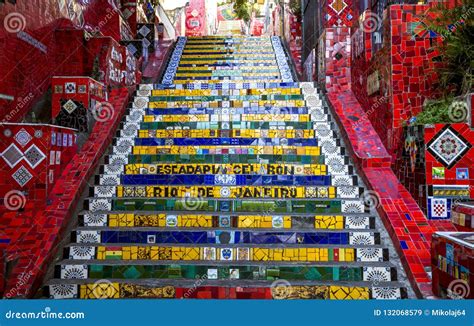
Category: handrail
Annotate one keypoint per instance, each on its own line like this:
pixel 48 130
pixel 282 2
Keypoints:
pixel 164 18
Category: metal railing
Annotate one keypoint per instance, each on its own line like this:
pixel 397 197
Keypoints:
pixel 166 21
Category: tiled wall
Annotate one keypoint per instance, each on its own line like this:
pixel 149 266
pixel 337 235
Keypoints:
pixel 337 18
pixel 33 157
pixel 45 38
pixel 72 99
pixel 347 66
pixel 292 32
pixel 449 167
pixel 452 258
pixel 40 237
pixel 392 80
pixel 410 164
pixel 196 18
pixel 462 216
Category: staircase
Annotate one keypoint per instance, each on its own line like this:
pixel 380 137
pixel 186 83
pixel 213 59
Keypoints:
pixel 228 180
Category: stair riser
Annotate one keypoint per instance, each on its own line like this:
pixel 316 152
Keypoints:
pixel 227 253
pixel 237 272
pixel 84 237
pixel 279 222
pixel 211 205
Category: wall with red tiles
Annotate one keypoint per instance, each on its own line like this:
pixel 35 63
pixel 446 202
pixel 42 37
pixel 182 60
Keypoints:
pixel 334 47
pixel 117 66
pixel 39 238
pixel 33 157
pixel 453 265
pixel 129 12
pixel 195 20
pixel 49 36
pixel 462 216
pixel 42 39
pixel 371 75
pixel 78 89
pixel 410 164
pixel 393 82
pixel 256 26
pixel 294 38
pixel 449 167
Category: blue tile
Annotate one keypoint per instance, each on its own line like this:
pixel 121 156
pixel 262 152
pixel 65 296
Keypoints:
pixel 403 244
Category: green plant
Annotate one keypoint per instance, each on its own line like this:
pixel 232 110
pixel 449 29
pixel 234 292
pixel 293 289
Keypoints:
pixel 243 9
pixel 295 7
pixel 435 112
pixel 456 49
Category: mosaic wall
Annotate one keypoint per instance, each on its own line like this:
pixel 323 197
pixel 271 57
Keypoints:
pixel 292 32
pixel 195 18
pixel 334 44
pixel 111 63
pixel 371 75
pixel 449 167
pixel 74 99
pixel 54 43
pixel 358 80
pixel 462 216
pixel 410 165
pixel 452 269
pixel 32 157
pixel 39 237
pixel 392 88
